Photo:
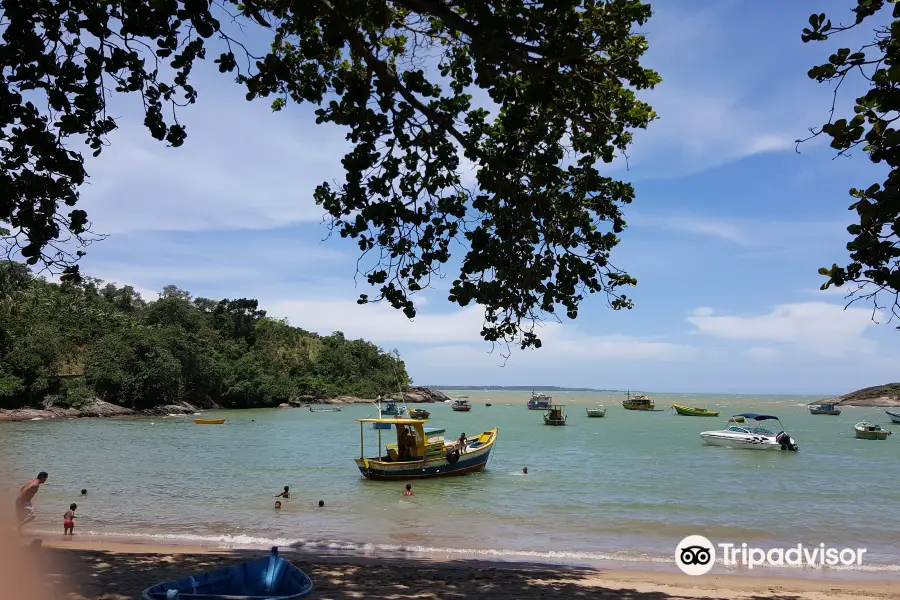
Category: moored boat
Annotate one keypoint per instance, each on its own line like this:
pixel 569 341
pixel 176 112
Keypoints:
pixel 600 411
pixel 638 402
pixel 824 409
pixel 694 411
pixel 555 415
pixel 209 421
pixel 421 452
pixel 325 409
pixel 460 405
pixel 418 413
pixel 870 431
pixel 739 434
pixel 272 578
pixel 539 401
pixel 895 417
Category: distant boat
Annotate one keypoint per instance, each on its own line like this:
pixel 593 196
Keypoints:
pixel 824 409
pixel 488 404
pixel 392 409
pixel 539 401
pixel 870 431
pixel 693 411
pixel 555 415
pixel 638 402
pixel 272 578
pixel 600 411
pixel 895 417
pixel 325 409
pixel 418 413
pixel 460 405
pixel 209 421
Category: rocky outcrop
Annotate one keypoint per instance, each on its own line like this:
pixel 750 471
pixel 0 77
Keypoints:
pixel 421 395
pixel 183 408
pixel 880 395
pixel 97 408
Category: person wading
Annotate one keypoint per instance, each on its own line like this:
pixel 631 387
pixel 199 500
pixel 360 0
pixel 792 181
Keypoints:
pixel 24 508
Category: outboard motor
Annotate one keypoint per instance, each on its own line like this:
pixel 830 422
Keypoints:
pixel 786 441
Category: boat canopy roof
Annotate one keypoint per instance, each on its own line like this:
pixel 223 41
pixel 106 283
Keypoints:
pixel 756 417
pixel 394 421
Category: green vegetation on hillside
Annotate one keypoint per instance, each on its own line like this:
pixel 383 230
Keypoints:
pixel 69 343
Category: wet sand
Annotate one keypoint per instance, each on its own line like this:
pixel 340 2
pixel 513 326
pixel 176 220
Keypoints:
pixel 115 571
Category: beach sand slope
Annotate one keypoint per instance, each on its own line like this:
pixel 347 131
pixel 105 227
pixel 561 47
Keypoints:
pixel 121 571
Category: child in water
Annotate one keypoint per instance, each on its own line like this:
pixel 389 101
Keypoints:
pixel 69 520
pixel 285 494
pixel 277 505
pixel 409 491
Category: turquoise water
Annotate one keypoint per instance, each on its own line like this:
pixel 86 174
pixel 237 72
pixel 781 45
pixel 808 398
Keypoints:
pixel 627 487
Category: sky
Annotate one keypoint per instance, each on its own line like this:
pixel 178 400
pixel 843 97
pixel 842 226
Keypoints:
pixel 729 226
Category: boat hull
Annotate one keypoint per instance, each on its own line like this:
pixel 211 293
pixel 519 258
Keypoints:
pixel 462 408
pixel 824 412
pixel 640 407
pixel 596 413
pixel 756 442
pixel 272 578
pixel 555 422
pixel 472 461
pixel 209 421
pixel 691 411
pixel 419 413
pixel 872 435
pixel 895 417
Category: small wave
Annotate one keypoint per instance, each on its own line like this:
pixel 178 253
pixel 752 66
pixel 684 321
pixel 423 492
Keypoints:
pixel 564 556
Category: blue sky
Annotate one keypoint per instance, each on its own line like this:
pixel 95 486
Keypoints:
pixel 725 236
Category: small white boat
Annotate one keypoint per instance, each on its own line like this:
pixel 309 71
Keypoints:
pixel 740 434
pixel 600 411
pixel 895 417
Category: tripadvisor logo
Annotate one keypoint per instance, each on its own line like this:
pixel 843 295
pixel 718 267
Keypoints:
pixel 696 555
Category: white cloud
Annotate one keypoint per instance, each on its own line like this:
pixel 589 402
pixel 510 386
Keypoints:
pixel 241 167
pixel 817 327
pixel 762 353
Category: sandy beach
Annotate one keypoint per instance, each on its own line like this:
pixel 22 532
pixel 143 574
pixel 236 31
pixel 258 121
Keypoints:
pixel 103 571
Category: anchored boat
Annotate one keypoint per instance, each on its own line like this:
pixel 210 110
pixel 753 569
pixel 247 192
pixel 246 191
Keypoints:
pixel 739 434
pixel 461 405
pixel 600 411
pixel 694 411
pixel 895 417
pixel 555 415
pixel 824 409
pixel 420 452
pixel 871 431
pixel 272 578
pixel 638 402
pixel 325 409
pixel 539 401
pixel 418 413
pixel 209 421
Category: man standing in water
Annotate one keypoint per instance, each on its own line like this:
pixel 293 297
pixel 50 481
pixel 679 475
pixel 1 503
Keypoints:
pixel 24 508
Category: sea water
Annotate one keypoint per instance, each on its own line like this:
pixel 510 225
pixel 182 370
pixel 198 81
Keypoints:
pixel 625 488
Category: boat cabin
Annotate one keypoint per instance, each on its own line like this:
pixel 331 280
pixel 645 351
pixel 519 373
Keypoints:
pixel 410 441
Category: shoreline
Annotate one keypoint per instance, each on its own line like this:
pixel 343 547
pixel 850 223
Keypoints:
pixel 97 568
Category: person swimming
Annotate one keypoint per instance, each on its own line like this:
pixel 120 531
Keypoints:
pixel 285 494
pixel 277 504
pixel 524 470
pixel 408 491
pixel 321 503
pixel 84 492
pixel 69 520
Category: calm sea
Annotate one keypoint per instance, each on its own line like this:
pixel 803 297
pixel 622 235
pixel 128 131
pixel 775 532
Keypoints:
pixel 623 489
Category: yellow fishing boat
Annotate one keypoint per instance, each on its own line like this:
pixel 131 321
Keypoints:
pixel 693 411
pixel 638 402
pixel 209 421
pixel 420 452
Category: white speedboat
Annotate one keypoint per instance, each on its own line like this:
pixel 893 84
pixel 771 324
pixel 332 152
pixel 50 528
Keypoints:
pixel 739 433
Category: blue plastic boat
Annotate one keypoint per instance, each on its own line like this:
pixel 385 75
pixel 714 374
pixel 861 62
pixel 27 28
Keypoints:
pixel 271 578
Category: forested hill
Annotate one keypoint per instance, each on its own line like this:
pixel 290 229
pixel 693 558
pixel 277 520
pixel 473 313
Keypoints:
pixel 67 344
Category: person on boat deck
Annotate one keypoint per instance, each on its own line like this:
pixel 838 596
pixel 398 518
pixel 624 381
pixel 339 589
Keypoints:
pixel 408 491
pixel 285 494
pixel 461 442
pixel 277 505
pixel 411 444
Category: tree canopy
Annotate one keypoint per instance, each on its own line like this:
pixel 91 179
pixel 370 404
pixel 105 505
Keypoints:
pixel 65 344
pixel 535 94
pixel 874 265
